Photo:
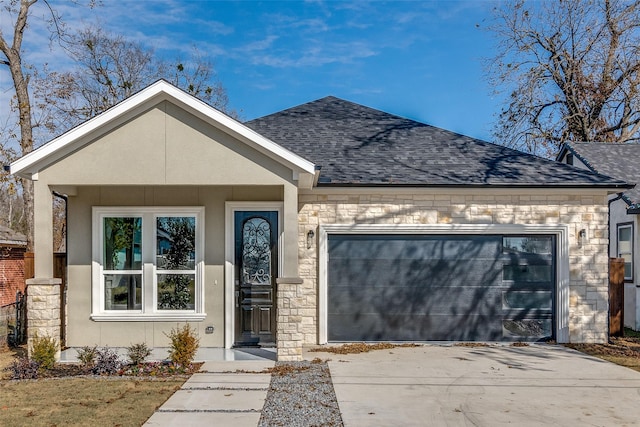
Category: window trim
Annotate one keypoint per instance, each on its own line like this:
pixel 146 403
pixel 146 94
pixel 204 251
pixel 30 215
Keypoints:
pixel 149 311
pixel 629 225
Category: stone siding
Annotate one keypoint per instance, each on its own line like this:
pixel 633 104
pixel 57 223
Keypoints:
pixel 588 288
pixel 290 321
pixel 43 311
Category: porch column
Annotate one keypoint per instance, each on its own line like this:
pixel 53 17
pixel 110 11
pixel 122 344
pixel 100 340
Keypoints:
pixel 43 291
pixel 289 336
pixel 43 311
pixel 42 230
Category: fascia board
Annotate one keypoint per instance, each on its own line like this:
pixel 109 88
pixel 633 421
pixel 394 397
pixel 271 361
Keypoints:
pixel 30 164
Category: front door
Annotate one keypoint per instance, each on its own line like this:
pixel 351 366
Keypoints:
pixel 256 267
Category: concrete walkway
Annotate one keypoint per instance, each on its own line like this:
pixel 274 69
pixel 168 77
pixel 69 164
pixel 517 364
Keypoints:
pixel 483 386
pixel 224 393
pixel 432 385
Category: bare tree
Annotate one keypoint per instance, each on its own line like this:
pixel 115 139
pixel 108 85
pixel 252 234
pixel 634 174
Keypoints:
pixel 572 70
pixel 13 59
pixel 110 68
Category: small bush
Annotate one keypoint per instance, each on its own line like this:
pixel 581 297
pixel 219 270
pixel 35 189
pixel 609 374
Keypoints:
pixel 43 351
pixel 184 345
pixel 87 356
pixel 107 362
pixel 137 353
pixel 24 369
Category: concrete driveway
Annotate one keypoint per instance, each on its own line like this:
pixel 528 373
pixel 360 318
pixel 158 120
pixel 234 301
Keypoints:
pixel 437 385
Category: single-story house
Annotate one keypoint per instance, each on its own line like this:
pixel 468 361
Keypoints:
pixel 13 246
pixel 326 222
pixel 622 161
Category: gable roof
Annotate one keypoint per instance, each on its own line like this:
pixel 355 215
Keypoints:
pixel 356 145
pixel 29 165
pixel 9 237
pixel 619 160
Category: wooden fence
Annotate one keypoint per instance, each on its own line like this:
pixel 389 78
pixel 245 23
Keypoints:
pixel 616 297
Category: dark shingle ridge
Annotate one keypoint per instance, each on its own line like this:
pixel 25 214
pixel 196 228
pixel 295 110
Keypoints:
pixel 359 146
pixel 620 160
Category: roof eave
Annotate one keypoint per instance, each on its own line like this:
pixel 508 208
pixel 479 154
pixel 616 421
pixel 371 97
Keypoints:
pixel 611 187
pixel 10 242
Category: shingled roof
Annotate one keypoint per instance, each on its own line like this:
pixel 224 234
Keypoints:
pixel 8 237
pixel 619 160
pixel 359 146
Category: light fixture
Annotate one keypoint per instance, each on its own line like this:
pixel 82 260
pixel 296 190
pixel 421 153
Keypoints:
pixel 310 236
pixel 582 236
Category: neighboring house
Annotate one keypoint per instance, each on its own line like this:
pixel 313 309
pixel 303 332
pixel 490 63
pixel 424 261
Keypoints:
pixel 12 248
pixel 622 161
pixel 322 223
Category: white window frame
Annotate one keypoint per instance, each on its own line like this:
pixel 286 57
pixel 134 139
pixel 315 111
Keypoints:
pixel 149 311
pixel 561 231
pixel 619 254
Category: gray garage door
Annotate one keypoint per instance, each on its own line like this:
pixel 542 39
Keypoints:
pixel 440 288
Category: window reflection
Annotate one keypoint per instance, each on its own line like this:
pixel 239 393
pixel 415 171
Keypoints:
pixel 527 245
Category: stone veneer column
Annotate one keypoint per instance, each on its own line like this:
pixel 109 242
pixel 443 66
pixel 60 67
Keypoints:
pixel 289 337
pixel 43 310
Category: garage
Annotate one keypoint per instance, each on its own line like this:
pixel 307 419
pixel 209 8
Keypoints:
pixel 440 287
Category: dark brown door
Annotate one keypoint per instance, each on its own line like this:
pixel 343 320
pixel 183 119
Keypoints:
pixel 256 267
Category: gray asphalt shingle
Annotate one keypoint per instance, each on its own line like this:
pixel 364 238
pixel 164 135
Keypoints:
pixel 618 160
pixel 357 145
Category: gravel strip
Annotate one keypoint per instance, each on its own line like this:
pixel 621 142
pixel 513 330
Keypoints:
pixel 301 394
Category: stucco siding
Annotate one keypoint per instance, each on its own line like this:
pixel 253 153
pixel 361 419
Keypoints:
pixel 588 295
pixel 81 329
pixel 165 146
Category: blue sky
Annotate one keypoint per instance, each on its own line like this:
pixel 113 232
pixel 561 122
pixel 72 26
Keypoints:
pixel 421 60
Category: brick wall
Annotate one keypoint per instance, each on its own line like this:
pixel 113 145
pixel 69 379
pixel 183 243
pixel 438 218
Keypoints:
pixel 588 288
pixel 11 273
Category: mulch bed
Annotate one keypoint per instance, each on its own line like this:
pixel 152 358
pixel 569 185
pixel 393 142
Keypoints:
pixel 150 369
pixel 617 347
pixel 356 348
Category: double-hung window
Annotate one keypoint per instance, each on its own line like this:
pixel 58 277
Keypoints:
pixel 625 249
pixel 148 263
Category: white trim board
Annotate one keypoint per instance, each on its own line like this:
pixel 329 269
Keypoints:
pixel 561 231
pixel 229 257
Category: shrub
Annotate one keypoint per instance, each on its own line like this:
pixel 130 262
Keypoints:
pixel 184 345
pixel 24 369
pixel 43 351
pixel 107 362
pixel 87 356
pixel 137 353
